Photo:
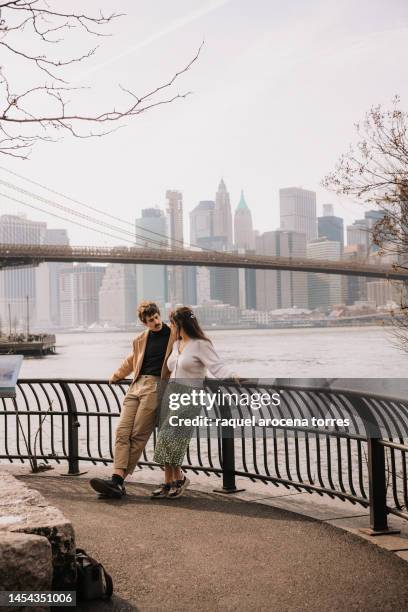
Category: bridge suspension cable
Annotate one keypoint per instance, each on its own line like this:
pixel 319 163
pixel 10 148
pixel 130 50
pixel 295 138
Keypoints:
pixel 62 195
pixel 72 211
pixel 98 231
pixel 88 218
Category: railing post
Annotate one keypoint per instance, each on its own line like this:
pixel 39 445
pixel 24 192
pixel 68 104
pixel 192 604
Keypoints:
pixel 228 464
pixel 377 485
pixel 227 454
pixel 73 424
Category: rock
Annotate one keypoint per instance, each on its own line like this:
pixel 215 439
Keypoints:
pixel 26 511
pixel 25 564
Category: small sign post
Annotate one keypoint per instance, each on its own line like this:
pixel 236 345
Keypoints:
pixel 9 370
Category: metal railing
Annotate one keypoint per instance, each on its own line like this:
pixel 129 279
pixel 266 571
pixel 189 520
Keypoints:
pixel 365 463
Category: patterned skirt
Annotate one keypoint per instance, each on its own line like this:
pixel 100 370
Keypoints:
pixel 173 440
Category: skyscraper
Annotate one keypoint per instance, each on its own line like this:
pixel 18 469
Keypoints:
pixel 203 285
pixel 298 211
pixel 359 233
pixel 331 227
pixel 117 295
pixel 208 228
pixel 79 294
pixel 223 216
pixel 176 237
pixel 250 289
pixel 224 285
pixel 382 292
pixel 372 217
pixel 244 240
pixel 278 288
pixel 201 235
pixel 175 212
pixel 244 237
pixel 202 223
pixel 355 286
pixel 325 290
pixel 190 285
pixel 47 282
pixel 224 282
pixel 16 285
pixel 151 283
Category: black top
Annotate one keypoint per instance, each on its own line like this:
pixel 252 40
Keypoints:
pixel 155 352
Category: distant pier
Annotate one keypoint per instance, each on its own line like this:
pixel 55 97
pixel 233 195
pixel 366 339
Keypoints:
pixel 35 345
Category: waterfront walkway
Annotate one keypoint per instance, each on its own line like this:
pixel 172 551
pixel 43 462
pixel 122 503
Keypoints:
pixel 207 552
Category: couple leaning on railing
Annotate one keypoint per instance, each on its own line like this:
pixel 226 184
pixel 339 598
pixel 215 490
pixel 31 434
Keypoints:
pixel 164 360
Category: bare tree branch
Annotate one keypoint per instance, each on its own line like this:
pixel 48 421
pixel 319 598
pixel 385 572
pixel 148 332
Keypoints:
pixel 24 22
pixel 375 172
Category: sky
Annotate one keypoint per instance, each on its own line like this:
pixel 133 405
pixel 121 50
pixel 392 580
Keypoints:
pixel 276 92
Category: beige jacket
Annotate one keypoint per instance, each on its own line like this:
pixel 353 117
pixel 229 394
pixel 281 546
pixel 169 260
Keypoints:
pixel 133 362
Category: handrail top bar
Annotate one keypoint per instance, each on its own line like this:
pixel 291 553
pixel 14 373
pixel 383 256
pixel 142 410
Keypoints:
pixel 314 389
pixel 347 392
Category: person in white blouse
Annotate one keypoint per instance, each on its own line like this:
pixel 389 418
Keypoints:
pixel 193 355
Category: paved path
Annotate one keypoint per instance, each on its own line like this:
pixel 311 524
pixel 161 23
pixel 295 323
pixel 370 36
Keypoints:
pixel 212 553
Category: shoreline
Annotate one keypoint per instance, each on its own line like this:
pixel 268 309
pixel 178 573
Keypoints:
pixel 319 324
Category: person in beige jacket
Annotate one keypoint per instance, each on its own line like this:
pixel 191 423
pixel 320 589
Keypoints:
pixel 148 362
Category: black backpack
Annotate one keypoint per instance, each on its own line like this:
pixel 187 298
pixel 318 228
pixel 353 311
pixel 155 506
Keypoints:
pixel 93 581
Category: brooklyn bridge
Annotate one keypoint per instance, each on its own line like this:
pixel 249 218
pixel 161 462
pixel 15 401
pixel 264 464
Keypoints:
pixel 12 255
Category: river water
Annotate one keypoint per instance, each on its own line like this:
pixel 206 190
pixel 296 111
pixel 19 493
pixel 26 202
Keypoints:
pixel 339 353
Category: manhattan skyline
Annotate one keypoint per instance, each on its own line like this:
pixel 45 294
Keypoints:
pixel 54 210
pixel 276 93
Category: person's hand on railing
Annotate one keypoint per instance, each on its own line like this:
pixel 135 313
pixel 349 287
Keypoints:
pixel 245 381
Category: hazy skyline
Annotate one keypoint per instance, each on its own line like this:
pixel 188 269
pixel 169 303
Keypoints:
pixel 277 91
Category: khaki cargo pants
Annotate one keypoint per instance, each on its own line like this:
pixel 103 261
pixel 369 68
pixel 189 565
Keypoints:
pixel 136 423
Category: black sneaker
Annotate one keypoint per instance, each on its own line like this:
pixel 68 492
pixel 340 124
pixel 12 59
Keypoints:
pixel 108 488
pixel 162 491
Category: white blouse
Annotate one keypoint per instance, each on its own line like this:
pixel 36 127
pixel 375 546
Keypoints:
pixel 196 358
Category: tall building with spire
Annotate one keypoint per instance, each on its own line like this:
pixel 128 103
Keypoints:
pixel 244 240
pixel 223 281
pixel 222 215
pixel 211 228
pixel 244 237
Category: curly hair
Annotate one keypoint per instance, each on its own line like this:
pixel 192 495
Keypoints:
pixel 147 309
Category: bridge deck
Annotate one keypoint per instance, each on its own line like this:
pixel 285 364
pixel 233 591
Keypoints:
pixel 31 255
pixel 204 552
